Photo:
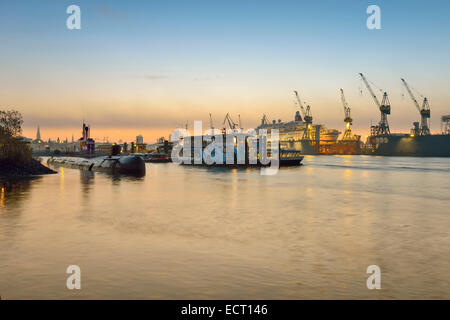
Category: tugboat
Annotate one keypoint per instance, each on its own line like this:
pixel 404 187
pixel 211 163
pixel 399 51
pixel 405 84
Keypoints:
pixel 290 158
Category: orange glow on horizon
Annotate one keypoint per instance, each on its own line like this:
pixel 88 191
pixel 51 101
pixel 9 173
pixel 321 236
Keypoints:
pixel 100 134
pixel 126 134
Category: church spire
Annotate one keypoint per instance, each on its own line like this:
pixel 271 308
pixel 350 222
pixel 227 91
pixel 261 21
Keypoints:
pixel 38 133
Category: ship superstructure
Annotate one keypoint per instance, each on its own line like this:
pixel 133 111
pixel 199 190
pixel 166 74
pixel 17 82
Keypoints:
pixel 292 134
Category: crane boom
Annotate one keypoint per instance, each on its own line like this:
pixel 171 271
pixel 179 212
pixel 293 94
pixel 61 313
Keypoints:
pixel 370 90
pixel 211 122
pixel 230 121
pixel 307 134
pixel 411 94
pixel 348 135
pixel 344 103
pixel 264 120
pixel 300 103
pixel 385 109
pixel 424 128
pixel 307 116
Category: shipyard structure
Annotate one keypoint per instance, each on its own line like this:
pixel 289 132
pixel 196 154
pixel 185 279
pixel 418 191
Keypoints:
pixel 419 142
pixel 301 134
pixel 319 139
pixel 314 139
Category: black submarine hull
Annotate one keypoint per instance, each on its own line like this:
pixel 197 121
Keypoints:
pixel 132 165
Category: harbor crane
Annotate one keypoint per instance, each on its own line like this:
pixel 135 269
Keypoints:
pixel 230 121
pixel 307 134
pixel 385 108
pixel 211 124
pixel 348 119
pixel 424 128
pixel 264 120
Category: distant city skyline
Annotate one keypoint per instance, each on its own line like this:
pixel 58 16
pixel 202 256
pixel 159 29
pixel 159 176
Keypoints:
pixel 147 67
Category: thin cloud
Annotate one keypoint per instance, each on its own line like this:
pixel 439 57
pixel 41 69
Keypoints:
pixel 155 77
pixel 109 12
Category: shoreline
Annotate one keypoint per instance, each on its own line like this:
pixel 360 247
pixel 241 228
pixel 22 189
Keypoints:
pixel 31 169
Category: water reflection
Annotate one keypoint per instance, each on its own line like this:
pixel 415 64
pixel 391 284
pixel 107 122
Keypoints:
pixel 16 190
pixel 87 179
pixel 117 178
pixel 14 196
pixel 195 232
pixel 2 197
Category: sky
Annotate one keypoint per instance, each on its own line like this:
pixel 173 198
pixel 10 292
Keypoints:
pixel 147 67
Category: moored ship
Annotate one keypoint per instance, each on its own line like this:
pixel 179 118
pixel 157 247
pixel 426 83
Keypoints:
pixel 131 165
pixel 243 151
pixel 432 145
pixel 420 142
pixel 292 134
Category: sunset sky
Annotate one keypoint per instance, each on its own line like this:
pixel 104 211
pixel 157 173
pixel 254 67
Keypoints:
pixel 147 67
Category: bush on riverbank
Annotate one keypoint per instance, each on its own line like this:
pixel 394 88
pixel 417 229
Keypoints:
pixel 15 153
pixel 13 150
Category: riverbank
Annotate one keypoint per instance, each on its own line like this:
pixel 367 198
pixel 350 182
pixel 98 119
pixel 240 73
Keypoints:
pixel 33 168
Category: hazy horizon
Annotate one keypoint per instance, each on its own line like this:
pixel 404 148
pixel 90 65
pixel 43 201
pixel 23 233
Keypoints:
pixel 147 67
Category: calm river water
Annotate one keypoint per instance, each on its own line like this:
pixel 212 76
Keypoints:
pixel 181 232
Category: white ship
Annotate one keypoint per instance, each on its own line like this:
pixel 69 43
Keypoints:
pixel 292 134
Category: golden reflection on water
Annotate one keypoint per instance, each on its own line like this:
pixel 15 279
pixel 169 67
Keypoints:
pixel 184 232
pixel 2 198
pixel 235 189
pixel 61 183
pixel 348 174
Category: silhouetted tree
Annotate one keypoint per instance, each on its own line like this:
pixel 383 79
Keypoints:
pixel 11 122
pixel 12 148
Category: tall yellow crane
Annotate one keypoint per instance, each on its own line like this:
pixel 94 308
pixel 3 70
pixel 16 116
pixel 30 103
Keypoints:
pixel 307 117
pixel 348 119
pixel 424 128
pixel 385 108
